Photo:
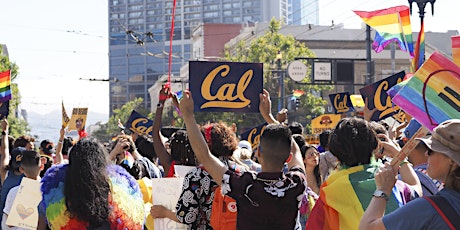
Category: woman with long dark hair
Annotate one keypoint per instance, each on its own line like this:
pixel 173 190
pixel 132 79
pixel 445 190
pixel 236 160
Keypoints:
pixel 90 193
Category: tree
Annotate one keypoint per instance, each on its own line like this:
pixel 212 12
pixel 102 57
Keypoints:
pixel 17 126
pixel 276 50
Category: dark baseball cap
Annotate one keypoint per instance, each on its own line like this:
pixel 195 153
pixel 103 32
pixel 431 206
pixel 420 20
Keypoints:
pixel 47 147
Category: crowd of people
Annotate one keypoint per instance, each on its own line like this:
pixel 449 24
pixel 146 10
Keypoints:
pixel 348 181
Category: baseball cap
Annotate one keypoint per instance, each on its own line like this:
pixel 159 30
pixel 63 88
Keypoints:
pixel 16 155
pixel 445 138
pixel 47 147
pixel 245 145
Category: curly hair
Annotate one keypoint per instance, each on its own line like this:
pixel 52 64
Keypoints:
pixel 181 150
pixel 353 141
pixel 222 141
pixel 87 189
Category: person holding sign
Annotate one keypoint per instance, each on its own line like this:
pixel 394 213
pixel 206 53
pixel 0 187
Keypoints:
pixel 440 211
pixel 90 193
pixel 266 200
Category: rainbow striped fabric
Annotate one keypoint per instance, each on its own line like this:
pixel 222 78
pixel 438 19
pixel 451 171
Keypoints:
pixel 419 56
pixel 125 200
pixel 456 49
pixel 5 86
pixel 391 24
pixel 346 194
pixel 432 95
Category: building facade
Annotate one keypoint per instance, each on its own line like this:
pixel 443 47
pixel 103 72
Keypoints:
pixel 139 35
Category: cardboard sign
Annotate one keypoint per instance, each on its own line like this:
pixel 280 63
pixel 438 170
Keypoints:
pixel 24 211
pixel 182 170
pixel 324 122
pixel 78 119
pixel 341 102
pixel 226 86
pixel 139 124
pixel 166 192
pixel 253 135
pixel 432 95
pixel 65 117
pixel 378 97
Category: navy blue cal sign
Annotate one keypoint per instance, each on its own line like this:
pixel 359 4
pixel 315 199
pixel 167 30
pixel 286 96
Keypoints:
pixel 378 97
pixel 226 86
pixel 253 135
pixel 341 102
pixel 139 124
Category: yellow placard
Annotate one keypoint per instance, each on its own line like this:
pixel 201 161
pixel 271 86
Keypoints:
pixel 324 122
pixel 24 212
pixel 357 100
pixel 78 119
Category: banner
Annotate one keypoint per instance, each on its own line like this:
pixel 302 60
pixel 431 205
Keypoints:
pixel 226 86
pixel 78 119
pixel 4 109
pixel 139 124
pixel 378 97
pixel 324 122
pixel 432 95
pixel 166 192
pixel 253 135
pixel 24 211
pixel 341 102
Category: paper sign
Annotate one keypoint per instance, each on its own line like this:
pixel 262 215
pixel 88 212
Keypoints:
pixel 139 124
pixel 378 97
pixel 341 102
pixel 24 212
pixel 253 135
pixel 182 170
pixel 226 86
pixel 166 192
pixel 78 119
pixel 432 95
pixel 324 122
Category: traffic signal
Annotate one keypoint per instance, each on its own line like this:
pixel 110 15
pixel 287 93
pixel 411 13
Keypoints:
pixel 297 103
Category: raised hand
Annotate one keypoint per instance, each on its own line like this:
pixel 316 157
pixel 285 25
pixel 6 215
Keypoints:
pixel 186 103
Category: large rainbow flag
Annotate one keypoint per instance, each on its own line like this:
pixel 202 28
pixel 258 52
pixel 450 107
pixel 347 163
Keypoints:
pixel 391 24
pixel 5 86
pixel 345 195
pixel 432 95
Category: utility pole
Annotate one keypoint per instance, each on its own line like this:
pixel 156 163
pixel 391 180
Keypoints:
pixel 369 78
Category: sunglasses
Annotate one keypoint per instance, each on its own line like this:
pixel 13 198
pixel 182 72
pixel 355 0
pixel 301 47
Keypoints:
pixel 313 154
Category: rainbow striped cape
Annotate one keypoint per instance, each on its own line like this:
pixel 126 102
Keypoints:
pixel 346 194
pixel 125 200
pixel 391 24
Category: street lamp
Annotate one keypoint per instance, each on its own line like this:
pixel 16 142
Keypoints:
pixel 279 58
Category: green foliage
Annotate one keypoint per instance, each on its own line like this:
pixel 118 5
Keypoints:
pixel 17 126
pixel 111 127
pixel 275 51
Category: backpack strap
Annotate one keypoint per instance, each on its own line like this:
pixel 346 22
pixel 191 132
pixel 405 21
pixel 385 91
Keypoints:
pixel 445 210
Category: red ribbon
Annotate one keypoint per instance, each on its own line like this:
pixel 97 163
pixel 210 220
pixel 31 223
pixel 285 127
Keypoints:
pixel 171 35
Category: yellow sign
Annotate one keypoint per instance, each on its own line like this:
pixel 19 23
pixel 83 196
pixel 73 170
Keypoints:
pixel 78 119
pixel 324 122
pixel 357 100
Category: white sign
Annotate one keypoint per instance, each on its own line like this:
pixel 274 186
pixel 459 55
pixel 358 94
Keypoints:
pixel 24 212
pixel 297 70
pixel 166 192
pixel 322 71
pixel 182 170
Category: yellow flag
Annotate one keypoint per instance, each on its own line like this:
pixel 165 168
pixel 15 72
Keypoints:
pixel 65 117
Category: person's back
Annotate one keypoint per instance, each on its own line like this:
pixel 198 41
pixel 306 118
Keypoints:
pixel 14 177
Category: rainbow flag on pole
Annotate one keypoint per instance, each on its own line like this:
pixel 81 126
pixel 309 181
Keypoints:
pixel 391 24
pixel 5 86
pixel 419 56
pixel 346 194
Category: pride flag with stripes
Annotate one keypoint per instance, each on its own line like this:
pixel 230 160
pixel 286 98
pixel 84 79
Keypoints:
pixel 391 24
pixel 346 194
pixel 419 56
pixel 432 95
pixel 456 49
pixel 5 86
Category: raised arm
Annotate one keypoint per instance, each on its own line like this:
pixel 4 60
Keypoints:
pixel 265 106
pixel 160 149
pixel 296 156
pixel 4 150
pixel 212 164
pixel 59 157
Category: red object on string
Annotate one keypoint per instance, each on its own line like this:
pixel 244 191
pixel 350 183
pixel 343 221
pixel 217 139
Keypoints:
pixel 171 36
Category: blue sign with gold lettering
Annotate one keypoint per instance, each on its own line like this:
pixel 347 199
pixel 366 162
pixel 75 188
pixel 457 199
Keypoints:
pixel 341 102
pixel 378 97
pixel 139 124
pixel 253 135
pixel 226 86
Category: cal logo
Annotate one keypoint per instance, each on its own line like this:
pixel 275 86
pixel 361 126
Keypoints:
pixel 378 97
pixel 226 86
pixel 341 102
pixel 253 135
pixel 139 124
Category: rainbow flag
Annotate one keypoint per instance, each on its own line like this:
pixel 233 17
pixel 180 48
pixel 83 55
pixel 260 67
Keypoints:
pixel 5 86
pixel 391 24
pixel 456 49
pixel 345 195
pixel 419 56
pixel 298 93
pixel 432 95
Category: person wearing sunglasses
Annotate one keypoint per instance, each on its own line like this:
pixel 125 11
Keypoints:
pixel 440 211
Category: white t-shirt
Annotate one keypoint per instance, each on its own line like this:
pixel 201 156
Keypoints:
pixel 6 210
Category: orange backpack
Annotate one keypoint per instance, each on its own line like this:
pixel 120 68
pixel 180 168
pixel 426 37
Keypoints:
pixel 223 215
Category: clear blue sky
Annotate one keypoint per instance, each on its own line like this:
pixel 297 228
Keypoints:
pixel 56 42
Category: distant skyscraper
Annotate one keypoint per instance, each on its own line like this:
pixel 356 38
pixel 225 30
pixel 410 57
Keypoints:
pixel 303 12
pixel 139 33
